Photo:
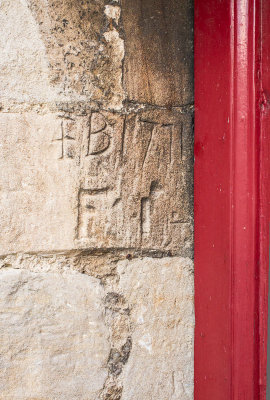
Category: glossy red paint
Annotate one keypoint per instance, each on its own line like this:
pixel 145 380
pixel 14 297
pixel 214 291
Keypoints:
pixel 264 188
pixel 232 82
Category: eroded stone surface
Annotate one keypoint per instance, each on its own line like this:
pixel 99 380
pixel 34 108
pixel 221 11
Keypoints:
pixel 129 338
pixel 109 180
pixel 54 343
pixel 95 190
pixel 24 69
pixel 61 51
pixel 37 188
pixel 160 295
pixel 158 64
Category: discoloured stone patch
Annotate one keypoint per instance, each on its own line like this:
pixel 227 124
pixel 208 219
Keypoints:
pixel 83 46
pixel 158 65
pixel 63 51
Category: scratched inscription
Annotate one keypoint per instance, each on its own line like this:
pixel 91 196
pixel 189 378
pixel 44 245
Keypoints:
pixel 134 178
pixel 98 180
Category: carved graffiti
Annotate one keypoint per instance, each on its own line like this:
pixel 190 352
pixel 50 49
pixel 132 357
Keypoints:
pixel 134 184
pixel 110 179
pixel 66 139
pixel 98 139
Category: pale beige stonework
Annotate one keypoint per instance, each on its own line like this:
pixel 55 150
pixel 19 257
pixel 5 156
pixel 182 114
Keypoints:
pixel 109 180
pixel 96 210
pixel 160 294
pixel 64 334
pixel 54 343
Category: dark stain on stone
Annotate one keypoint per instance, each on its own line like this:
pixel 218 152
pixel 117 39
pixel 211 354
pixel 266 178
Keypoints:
pixel 81 61
pixel 158 66
pixel 118 358
pixel 116 303
pixel 113 392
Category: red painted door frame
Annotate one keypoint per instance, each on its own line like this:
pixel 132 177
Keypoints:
pixel 232 136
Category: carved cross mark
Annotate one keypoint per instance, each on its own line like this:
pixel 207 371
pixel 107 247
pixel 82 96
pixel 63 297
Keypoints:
pixel 67 147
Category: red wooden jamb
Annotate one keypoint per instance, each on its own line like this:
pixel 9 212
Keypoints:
pixel 231 197
pixel 245 202
pixel 264 187
pixel 212 200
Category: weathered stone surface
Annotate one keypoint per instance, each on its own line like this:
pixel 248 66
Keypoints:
pixel 160 296
pixel 158 64
pixel 54 343
pixel 96 200
pixel 37 187
pixel 61 51
pixel 63 335
pixel 24 69
pixel 108 180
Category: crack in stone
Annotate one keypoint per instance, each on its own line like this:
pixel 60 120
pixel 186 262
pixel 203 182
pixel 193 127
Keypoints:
pixel 116 308
pixel 118 358
pixel 116 254
pixel 117 319
pixel 84 107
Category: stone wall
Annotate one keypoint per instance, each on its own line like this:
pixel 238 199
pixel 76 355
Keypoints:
pixel 96 200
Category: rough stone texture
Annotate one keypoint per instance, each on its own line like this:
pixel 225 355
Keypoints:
pixel 159 71
pixel 161 360
pixel 53 340
pixel 127 333
pixel 24 69
pixel 60 51
pixel 83 47
pixel 35 185
pixel 109 180
pixel 96 213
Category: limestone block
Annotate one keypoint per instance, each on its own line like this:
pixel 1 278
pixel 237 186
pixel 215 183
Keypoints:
pixel 96 179
pixel 37 195
pixel 158 63
pixel 60 51
pixel 127 335
pixel 24 69
pixel 160 297
pixel 53 340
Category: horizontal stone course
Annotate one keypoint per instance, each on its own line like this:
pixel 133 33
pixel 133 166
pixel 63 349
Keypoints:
pixel 109 180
